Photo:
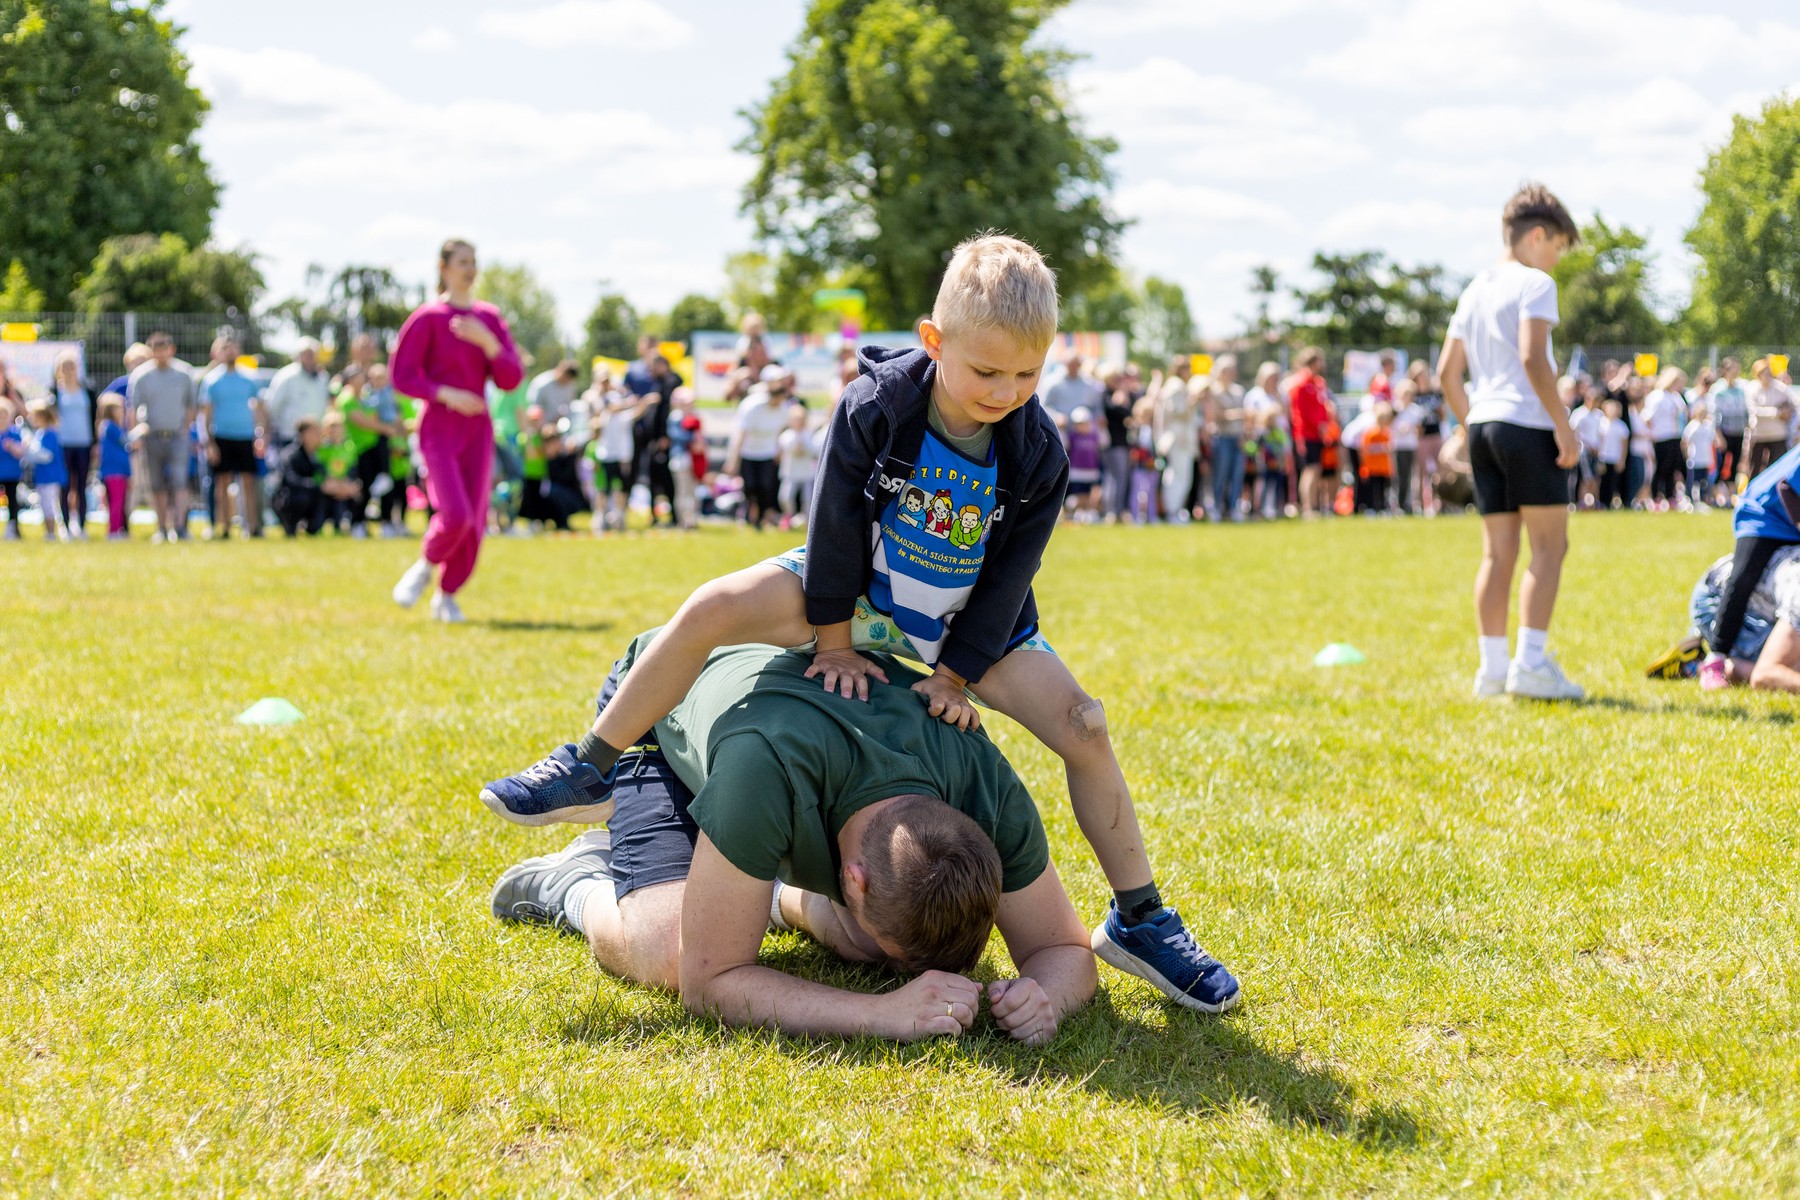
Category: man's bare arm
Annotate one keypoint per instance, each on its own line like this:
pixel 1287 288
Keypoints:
pixel 723 918
pixel 1049 944
pixel 1452 362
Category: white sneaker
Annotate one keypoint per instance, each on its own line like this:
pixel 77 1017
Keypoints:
pixel 1487 687
pixel 444 608
pixel 359 531
pixel 1544 682
pixel 412 585
pixel 156 539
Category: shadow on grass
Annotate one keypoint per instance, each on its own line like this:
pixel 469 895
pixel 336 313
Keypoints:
pixel 1716 712
pixel 1190 1064
pixel 511 626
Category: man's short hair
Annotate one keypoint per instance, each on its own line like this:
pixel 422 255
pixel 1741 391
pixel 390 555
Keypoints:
pixel 1534 206
pixel 161 338
pixel 933 883
pixel 998 282
pixel 304 424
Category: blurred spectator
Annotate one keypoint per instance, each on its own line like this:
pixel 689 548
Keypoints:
pixel 77 418
pixel 1771 415
pixel 163 401
pixel 1429 400
pixel 1074 390
pixel 1225 425
pixel 797 451
pixel 1117 403
pixel 298 502
pixel 1700 446
pixel 235 417
pixel 115 466
pixel 687 456
pixel 1178 418
pixel 1407 419
pixel 300 389
pixel 1083 443
pixel 1731 413
pixel 12 463
pixel 1665 416
pixel 553 391
pixel 761 415
pixel 1310 404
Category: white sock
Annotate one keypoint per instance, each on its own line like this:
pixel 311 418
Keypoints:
pixel 575 902
pixel 1531 647
pixel 776 920
pixel 1714 656
pixel 1493 657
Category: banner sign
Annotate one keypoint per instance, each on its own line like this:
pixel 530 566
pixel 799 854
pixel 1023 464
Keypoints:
pixel 32 365
pixel 1361 366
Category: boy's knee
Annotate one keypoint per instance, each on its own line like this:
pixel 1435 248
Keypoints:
pixel 1087 720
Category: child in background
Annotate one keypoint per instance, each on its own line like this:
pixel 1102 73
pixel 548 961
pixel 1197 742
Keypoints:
pixel 799 463
pixel 12 466
pixel 687 456
pixel 400 466
pixel 1375 471
pixel 1276 450
pixel 1083 442
pixel 532 468
pixel 337 460
pixel 1700 442
pixel 49 474
pixel 1144 473
pixel 115 466
pixel 1615 444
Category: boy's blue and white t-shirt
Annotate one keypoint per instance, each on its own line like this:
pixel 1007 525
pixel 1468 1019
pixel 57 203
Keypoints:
pixel 931 541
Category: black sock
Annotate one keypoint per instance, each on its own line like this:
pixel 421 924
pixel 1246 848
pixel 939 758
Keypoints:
pixel 590 749
pixel 1139 904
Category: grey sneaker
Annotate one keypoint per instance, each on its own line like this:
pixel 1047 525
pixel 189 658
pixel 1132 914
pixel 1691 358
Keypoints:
pixel 533 891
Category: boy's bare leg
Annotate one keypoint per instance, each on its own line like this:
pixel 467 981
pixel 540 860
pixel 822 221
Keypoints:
pixel 763 603
pixel 1493 580
pixel 639 937
pixel 1776 668
pixel 1036 689
pixel 1547 529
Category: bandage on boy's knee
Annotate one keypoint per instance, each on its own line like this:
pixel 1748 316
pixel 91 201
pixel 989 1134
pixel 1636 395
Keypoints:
pixel 1089 720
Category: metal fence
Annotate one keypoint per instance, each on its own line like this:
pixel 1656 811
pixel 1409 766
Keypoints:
pixel 1591 359
pixel 103 339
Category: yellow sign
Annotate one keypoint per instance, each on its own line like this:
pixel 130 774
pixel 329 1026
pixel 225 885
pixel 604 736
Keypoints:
pixel 248 362
pixel 614 367
pixel 1778 364
pixel 18 331
pixel 1646 365
pixel 673 351
pixel 1200 364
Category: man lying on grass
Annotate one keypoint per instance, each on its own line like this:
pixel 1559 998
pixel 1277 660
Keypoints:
pixel 895 839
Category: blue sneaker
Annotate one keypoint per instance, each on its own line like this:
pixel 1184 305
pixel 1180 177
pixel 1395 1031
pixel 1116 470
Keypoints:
pixel 533 891
pixel 558 788
pixel 1163 952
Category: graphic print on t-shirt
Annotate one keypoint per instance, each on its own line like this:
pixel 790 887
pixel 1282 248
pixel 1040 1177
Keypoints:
pixel 930 543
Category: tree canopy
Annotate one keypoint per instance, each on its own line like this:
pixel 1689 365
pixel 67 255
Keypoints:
pixel 902 127
pixel 612 328
pixel 529 309
pixel 162 274
pixel 97 128
pixel 1602 288
pixel 355 299
pixel 1362 299
pixel 1747 237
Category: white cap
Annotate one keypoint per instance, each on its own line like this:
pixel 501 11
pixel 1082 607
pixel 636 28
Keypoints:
pixel 1082 414
pixel 773 373
pixel 307 343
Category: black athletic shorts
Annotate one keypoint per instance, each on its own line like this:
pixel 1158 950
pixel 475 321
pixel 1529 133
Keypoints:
pixel 1311 453
pixel 1514 467
pixel 237 456
pixel 652 835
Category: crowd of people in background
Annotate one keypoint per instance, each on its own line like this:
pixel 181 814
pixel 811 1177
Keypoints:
pixel 315 450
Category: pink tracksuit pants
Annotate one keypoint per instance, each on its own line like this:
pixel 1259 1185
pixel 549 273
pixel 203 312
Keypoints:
pixel 459 472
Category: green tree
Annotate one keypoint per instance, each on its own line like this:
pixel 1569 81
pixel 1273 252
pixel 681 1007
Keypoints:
pixel 694 312
pixel 749 285
pixel 529 309
pixel 1602 286
pixel 902 127
pixel 1350 307
pixel 17 295
pixel 1747 237
pixel 1161 325
pixel 1265 285
pixel 160 273
pixel 356 299
pixel 97 127
pixel 1106 305
pixel 612 328
pixel 1421 303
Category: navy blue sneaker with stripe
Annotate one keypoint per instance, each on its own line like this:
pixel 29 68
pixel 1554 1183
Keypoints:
pixel 1162 952
pixel 558 788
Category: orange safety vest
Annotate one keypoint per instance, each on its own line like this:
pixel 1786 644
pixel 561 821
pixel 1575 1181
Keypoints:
pixel 1378 454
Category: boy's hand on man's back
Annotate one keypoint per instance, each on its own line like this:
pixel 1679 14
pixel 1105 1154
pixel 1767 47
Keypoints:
pixel 845 672
pixel 946 700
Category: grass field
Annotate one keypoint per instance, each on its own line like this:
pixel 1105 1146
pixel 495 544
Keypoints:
pixel 1495 949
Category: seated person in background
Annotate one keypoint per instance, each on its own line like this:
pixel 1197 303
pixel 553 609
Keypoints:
pixel 1454 483
pixel 880 830
pixel 1766 652
pixel 556 496
pixel 342 490
pixel 298 502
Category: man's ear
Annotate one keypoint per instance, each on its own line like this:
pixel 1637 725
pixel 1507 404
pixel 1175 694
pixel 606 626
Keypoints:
pixel 856 879
pixel 933 337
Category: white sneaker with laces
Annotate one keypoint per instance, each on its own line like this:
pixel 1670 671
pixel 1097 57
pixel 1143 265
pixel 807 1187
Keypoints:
pixel 444 608
pixel 412 585
pixel 1487 687
pixel 1543 682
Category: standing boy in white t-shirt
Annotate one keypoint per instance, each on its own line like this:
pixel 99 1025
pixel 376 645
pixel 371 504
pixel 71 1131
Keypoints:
pixel 1521 445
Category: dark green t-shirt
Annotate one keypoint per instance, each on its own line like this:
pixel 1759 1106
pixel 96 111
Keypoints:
pixel 778 766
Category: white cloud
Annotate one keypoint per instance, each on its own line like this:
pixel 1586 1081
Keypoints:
pixel 1197 204
pixel 1381 223
pixel 1126 18
pixel 629 25
pixel 1432 45
pixel 434 39
pixel 1216 126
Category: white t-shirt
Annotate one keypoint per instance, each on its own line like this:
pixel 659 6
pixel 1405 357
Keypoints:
pixel 1589 425
pixel 1613 442
pixel 1664 413
pixel 615 436
pixel 1487 323
pixel 1406 427
pixel 1701 438
pixel 760 423
pixel 798 461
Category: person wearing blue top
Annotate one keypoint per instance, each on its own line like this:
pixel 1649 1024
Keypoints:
pixel 49 475
pixel 232 403
pixel 75 426
pixel 1767 518
pixel 115 466
pixel 12 467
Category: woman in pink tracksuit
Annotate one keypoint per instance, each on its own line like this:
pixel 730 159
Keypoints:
pixel 447 351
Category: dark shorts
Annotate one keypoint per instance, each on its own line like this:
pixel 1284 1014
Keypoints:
pixel 762 481
pixel 237 456
pixel 652 835
pixel 1310 453
pixel 1514 467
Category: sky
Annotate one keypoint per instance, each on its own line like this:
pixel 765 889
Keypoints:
pixel 593 140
